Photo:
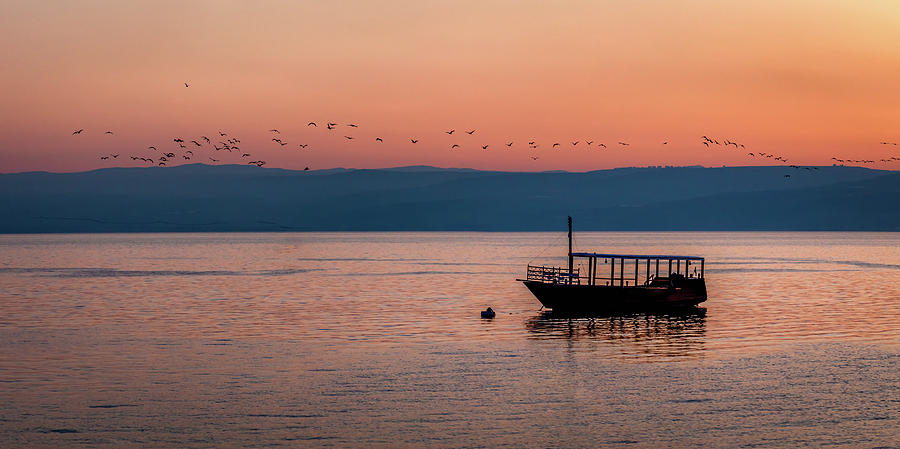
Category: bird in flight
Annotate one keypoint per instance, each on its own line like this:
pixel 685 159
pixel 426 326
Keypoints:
pixel 353 125
pixel 666 142
pixel 274 131
pixel 534 158
pixel 151 148
pixel 348 137
pixel 484 147
pixel 706 143
pixel 205 138
pixel 470 132
pixel 378 139
pixel 556 144
pixel 454 146
pixel 108 132
pixel 531 143
pixel 115 156
pixel 214 160
pixel 624 143
pixel 222 134
pixel 414 140
pixel 196 143
pixel 509 144
pixel 450 132
pixel 245 155
pixel 78 132
pixel 589 142
pixel 601 145
pixel 306 169
pixel 187 85
pixel 304 145
pixel 312 124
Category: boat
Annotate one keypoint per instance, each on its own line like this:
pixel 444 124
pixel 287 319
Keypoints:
pixel 618 282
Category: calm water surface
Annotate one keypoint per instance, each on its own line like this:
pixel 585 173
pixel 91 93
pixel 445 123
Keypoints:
pixel 374 339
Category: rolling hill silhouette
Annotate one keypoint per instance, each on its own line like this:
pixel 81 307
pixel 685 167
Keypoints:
pixel 242 198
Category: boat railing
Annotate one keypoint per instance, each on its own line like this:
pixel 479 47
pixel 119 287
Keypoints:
pixel 553 275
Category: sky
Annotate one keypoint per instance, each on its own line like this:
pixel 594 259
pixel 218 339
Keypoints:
pixel 805 80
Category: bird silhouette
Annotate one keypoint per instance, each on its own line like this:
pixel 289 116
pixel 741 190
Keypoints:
pixel 115 156
pixel 274 131
pixel 151 148
pixel 348 137
pixel 470 132
pixel 534 158
pixel 196 143
pixel 353 125
pixel 108 132
pixel 575 142
pixel 484 147
pixel 222 134
pixel 214 160
pixel 306 169
pixel 187 85
pixel 312 124
pixel 78 131
pixel 245 155
pixel 601 145
pixel 589 142
pixel 509 144
pixel 378 139
pixel 414 140
pixel 556 144
pixel 454 146
pixel 205 138
pixel 450 132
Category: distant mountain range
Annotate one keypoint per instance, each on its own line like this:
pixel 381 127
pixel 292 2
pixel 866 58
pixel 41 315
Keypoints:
pixel 244 198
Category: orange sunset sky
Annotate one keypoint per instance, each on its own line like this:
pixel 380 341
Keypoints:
pixel 808 80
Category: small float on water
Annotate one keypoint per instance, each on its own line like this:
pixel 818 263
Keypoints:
pixel 618 282
pixel 489 313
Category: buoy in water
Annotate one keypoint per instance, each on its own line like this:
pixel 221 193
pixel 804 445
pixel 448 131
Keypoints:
pixel 489 313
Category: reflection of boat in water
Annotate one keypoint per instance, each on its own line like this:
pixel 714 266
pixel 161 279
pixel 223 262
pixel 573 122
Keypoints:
pixel 612 284
pixel 670 334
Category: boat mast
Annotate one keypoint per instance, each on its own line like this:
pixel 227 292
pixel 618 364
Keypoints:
pixel 570 249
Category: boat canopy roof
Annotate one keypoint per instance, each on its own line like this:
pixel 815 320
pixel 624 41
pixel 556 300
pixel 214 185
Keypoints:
pixel 634 256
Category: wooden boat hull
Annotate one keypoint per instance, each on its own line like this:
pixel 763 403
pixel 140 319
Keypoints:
pixel 574 297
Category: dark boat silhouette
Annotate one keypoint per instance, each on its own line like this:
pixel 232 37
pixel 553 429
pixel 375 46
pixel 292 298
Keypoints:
pixel 618 282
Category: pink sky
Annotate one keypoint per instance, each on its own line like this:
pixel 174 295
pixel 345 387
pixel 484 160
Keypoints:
pixel 808 80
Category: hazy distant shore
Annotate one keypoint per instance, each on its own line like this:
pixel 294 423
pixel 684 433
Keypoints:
pixel 201 198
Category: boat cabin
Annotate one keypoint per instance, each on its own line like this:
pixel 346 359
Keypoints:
pixel 619 270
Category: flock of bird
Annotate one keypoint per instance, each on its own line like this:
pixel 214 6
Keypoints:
pixel 228 149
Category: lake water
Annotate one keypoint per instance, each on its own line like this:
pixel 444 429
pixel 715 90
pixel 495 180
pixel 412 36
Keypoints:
pixel 374 339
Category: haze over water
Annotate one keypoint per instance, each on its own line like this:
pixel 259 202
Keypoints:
pixel 374 339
